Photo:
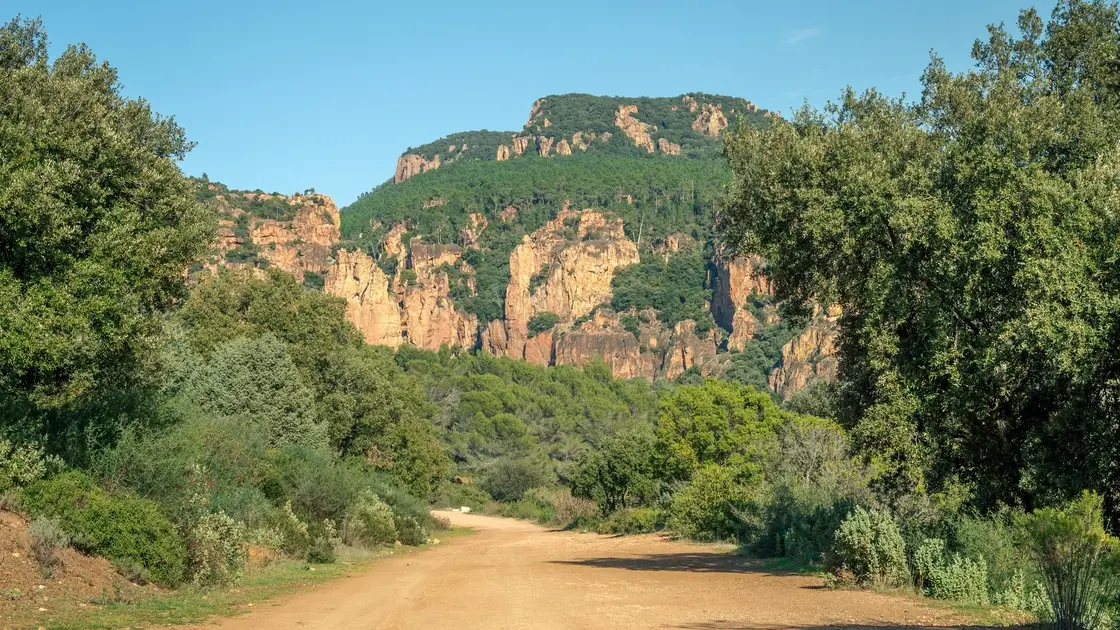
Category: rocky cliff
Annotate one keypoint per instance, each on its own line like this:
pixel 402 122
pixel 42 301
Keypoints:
pixel 295 233
pixel 521 256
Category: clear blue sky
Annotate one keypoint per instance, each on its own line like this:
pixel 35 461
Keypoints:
pixel 284 96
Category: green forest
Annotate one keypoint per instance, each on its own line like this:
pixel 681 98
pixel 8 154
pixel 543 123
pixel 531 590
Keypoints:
pixel 968 449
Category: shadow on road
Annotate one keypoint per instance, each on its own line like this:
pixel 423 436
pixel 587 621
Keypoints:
pixel 695 562
pixel 719 624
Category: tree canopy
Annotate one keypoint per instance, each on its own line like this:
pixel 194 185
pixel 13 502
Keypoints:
pixel 97 222
pixel 972 238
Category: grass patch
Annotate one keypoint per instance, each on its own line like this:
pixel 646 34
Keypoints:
pixel 192 605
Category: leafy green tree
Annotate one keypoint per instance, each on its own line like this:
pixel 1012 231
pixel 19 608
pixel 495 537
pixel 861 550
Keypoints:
pixel 255 380
pixel 972 239
pixel 97 224
pixel 618 474
pixel 715 422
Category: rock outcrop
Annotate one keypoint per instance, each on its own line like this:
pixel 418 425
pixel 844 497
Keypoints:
pixel 688 349
pixel 636 130
pixel 370 305
pixel 412 164
pixel 711 121
pixel 603 338
pixel 809 356
pixel 503 153
pixel 544 145
pixel 303 243
pixel 576 255
pixel 736 280
pixel 668 148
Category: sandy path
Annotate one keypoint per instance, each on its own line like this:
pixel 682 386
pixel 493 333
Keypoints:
pixel 512 574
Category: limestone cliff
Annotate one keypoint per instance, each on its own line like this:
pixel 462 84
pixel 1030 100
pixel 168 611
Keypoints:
pixel 809 356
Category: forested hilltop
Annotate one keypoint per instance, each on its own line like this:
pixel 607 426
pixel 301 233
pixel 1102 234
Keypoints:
pixel 587 235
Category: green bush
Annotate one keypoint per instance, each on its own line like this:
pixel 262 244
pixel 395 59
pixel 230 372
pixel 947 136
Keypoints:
pixel 216 550
pixel 870 548
pixel 410 529
pixel 541 322
pixel 707 507
pixel 454 495
pixel 955 577
pixel 124 529
pixel 509 479
pixel 1078 559
pixel 324 543
pixel 633 521
pixel 293 532
pixel 370 522
pixel 20 464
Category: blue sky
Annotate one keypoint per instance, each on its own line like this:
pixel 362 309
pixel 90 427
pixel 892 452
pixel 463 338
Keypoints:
pixel 285 96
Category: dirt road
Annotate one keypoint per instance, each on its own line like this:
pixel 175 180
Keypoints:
pixel 512 574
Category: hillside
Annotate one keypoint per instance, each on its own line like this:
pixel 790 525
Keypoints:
pixel 587 234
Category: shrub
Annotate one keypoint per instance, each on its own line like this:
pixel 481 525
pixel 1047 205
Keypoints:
pixel 47 537
pixel 216 550
pixel 410 530
pixel 509 479
pixel 958 578
pixel 632 521
pixel 293 532
pixel 21 464
pixel 541 322
pixel 124 529
pixel 1079 561
pixel 707 507
pixel 870 548
pixel 370 522
pixel 459 494
pixel 324 543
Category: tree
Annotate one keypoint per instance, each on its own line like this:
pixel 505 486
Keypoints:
pixel 972 239
pixel 618 474
pixel 715 423
pixel 97 224
pixel 255 380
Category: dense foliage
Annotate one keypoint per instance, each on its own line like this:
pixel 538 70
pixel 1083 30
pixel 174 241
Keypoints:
pixel 654 198
pixel 972 239
pixel 96 227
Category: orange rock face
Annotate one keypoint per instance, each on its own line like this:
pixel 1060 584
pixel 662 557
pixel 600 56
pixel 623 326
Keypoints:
pixel 544 145
pixel 370 306
pixel 520 143
pixel 602 337
pixel 711 121
pixel 503 153
pixel 668 148
pixel 566 268
pixel 807 357
pixel 411 164
pixel 687 349
pixel 563 148
pixel 636 130
pixel 736 279
pixel 297 246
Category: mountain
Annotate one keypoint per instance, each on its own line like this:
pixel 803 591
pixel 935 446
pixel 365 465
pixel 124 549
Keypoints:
pixel 587 234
